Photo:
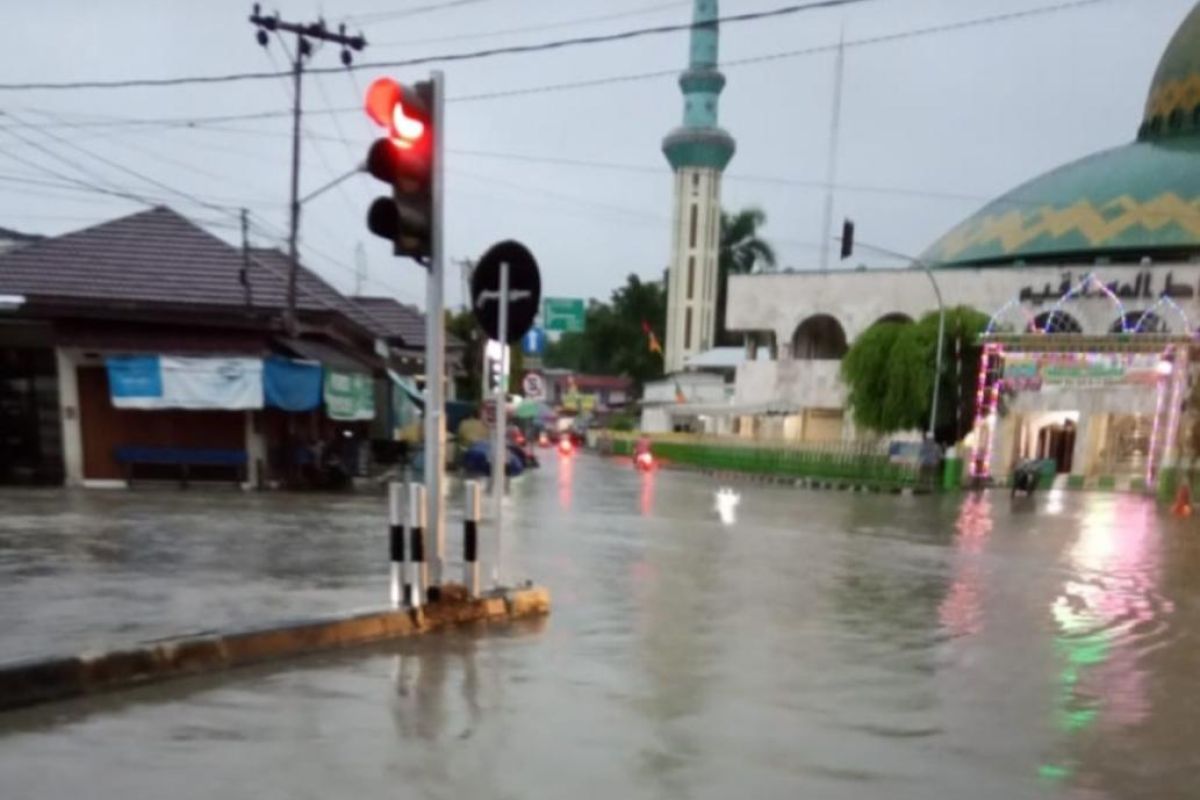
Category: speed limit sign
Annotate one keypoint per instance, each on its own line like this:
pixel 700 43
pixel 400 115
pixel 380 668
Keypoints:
pixel 534 386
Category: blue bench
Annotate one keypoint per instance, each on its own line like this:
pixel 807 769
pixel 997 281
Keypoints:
pixel 128 456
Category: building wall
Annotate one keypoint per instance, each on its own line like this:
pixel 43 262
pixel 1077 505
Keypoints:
pixel 105 428
pixel 780 303
pixel 692 277
pixel 804 384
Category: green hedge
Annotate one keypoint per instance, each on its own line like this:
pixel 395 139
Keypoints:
pixel 849 465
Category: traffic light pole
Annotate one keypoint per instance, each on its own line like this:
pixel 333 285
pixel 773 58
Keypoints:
pixel 499 445
pixel 435 342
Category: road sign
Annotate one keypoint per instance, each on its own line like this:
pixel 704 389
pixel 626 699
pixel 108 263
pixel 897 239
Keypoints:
pixel 524 290
pixel 534 342
pixel 534 386
pixel 563 314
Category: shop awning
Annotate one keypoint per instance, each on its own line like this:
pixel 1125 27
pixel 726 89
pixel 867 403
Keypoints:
pixel 329 356
pixel 409 388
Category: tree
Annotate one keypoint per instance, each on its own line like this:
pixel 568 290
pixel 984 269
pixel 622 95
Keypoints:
pixel 889 372
pixel 741 252
pixel 464 327
pixel 614 341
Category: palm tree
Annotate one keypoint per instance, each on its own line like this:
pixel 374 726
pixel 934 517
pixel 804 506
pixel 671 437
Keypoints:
pixel 741 253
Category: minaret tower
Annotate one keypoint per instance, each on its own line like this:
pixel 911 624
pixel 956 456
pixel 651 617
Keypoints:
pixel 698 151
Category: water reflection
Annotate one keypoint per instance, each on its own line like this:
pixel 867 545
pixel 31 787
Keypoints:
pixel 961 610
pixel 646 498
pixel 1107 612
pixel 566 481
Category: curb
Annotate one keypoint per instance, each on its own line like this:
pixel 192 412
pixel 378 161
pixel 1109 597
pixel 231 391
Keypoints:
pixel 47 680
pixel 816 484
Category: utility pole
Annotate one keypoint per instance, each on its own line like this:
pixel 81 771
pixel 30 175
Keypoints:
pixel 305 33
pixel 835 125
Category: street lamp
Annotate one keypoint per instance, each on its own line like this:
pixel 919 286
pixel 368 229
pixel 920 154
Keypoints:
pixel 848 243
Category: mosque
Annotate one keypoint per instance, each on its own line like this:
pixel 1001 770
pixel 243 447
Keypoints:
pixel 1090 272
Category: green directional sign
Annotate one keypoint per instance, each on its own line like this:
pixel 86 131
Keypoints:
pixel 563 314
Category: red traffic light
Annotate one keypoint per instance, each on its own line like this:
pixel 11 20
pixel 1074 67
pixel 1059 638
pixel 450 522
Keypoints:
pixel 399 110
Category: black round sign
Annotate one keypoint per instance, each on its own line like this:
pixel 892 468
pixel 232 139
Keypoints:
pixel 524 290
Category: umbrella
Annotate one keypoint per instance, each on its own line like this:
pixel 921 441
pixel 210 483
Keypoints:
pixel 534 409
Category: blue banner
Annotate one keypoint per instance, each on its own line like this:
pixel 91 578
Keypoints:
pixel 291 385
pixel 134 378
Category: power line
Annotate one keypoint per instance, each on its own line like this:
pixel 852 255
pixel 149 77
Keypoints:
pixel 209 121
pixel 118 166
pixel 537 28
pixel 540 47
pixel 383 16
pixel 779 56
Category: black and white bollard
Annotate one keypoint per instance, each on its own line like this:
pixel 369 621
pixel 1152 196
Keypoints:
pixel 473 510
pixel 416 550
pixel 396 540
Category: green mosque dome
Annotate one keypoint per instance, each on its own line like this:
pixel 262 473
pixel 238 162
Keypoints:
pixel 1139 200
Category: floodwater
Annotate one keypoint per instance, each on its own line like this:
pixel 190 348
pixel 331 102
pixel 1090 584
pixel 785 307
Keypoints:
pixel 809 645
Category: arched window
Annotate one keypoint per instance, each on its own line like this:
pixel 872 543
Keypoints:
pixel 1055 322
pixel 1139 322
pixel 819 338
pixel 896 318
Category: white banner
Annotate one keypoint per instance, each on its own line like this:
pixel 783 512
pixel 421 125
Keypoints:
pixel 205 383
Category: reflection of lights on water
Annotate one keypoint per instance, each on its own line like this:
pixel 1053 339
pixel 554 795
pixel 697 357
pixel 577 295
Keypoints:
pixel 727 501
pixel 1054 501
pixel 1111 595
pixel 646 501
pixel 961 609
pixel 566 470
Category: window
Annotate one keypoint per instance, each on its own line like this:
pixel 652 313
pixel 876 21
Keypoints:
pixel 695 182
pixel 692 235
pixel 691 276
pixel 687 330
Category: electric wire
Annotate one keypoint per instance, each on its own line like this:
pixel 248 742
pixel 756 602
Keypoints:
pixel 520 49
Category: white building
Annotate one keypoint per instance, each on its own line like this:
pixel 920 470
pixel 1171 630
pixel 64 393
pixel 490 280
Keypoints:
pixel 1108 246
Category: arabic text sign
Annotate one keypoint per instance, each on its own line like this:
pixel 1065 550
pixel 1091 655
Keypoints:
pixel 1143 287
pixel 1050 371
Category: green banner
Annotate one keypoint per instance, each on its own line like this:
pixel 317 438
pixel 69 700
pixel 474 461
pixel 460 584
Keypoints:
pixel 349 397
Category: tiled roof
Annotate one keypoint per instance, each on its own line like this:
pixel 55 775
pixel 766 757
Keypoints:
pixel 158 257
pixel 269 271
pixel 400 321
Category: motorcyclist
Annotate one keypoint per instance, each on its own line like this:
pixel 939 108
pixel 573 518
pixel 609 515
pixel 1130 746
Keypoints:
pixel 641 450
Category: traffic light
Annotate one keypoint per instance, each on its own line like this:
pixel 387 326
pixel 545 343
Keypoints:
pixel 403 158
pixel 847 239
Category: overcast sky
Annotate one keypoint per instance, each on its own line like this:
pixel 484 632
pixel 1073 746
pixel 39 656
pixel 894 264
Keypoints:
pixel 942 122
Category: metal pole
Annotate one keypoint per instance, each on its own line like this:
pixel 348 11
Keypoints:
pixel 396 539
pixel 289 318
pixel 499 450
pixel 418 582
pixel 834 133
pixel 435 331
pixel 941 344
pixel 471 513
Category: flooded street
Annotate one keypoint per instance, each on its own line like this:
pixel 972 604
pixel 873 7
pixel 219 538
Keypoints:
pixel 823 645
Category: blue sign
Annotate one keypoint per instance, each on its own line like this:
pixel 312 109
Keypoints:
pixel 534 342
